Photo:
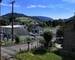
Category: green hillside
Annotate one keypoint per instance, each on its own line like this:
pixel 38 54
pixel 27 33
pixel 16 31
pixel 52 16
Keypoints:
pixel 25 20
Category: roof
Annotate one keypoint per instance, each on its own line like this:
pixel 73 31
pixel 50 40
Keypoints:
pixel 10 26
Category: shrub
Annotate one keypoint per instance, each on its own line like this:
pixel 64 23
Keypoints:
pixel 47 37
pixel 17 40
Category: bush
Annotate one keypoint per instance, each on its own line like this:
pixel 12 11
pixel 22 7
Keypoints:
pixel 17 40
pixel 40 50
pixel 47 37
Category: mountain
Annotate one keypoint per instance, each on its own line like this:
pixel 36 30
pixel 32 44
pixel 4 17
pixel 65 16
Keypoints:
pixel 36 18
pixel 19 18
pixel 15 15
pixel 41 18
pixel 70 19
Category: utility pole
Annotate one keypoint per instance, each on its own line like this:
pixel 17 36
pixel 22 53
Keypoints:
pixel 0 17
pixel 12 18
pixel 0 36
pixel 0 7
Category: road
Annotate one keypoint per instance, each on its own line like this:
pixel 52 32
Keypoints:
pixel 10 51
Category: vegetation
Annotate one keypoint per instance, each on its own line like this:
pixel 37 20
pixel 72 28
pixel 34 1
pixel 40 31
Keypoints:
pixel 24 19
pixel 17 40
pixel 57 22
pixel 28 42
pixel 47 37
pixel 3 22
pixel 59 33
pixel 31 56
pixel 59 36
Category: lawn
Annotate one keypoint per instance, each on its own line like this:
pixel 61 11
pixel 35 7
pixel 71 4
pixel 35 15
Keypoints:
pixel 31 56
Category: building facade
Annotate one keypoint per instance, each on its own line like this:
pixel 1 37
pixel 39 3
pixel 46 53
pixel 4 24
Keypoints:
pixel 5 31
pixel 69 37
pixel 36 29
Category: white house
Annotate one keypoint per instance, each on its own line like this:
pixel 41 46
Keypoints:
pixel 5 31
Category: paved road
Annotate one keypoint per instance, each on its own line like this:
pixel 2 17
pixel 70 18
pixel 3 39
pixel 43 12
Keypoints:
pixel 12 50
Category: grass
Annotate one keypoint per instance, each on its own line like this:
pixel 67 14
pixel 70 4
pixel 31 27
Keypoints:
pixel 23 40
pixel 9 42
pixel 31 56
pixel 48 29
pixel 65 56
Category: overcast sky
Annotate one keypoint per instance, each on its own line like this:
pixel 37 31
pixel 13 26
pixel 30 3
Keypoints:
pixel 50 8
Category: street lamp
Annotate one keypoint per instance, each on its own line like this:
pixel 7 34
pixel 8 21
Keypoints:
pixel 12 17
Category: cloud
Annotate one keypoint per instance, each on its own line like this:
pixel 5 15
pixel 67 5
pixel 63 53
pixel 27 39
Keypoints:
pixel 9 5
pixel 37 6
pixel 31 6
pixel 46 6
pixel 69 1
pixel 42 6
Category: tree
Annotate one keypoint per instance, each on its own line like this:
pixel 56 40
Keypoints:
pixel 28 42
pixel 48 23
pixel 2 22
pixel 59 35
pixel 17 40
pixel 29 28
pixel 54 23
pixel 47 37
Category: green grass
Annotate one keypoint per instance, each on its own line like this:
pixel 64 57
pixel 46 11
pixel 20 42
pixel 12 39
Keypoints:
pixel 31 56
pixel 47 29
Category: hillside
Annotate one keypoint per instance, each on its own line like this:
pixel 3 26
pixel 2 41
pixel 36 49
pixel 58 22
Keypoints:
pixel 15 15
pixel 70 19
pixel 41 18
pixel 25 20
pixel 38 18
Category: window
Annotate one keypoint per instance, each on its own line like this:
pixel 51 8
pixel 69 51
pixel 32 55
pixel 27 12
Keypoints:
pixel 36 31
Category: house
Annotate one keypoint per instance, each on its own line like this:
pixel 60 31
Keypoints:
pixel 69 37
pixel 5 31
pixel 36 29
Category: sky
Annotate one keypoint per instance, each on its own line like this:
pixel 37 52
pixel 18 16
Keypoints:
pixel 50 8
